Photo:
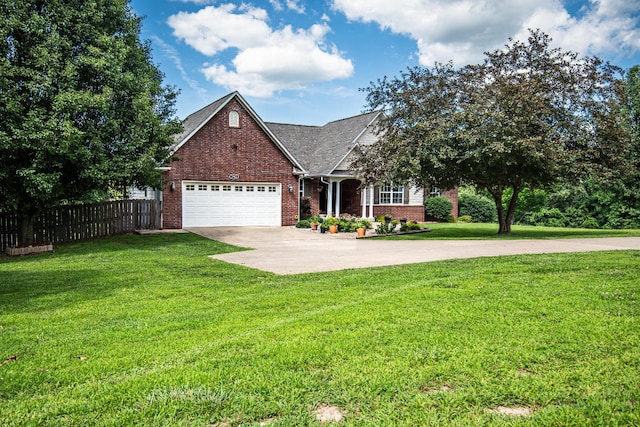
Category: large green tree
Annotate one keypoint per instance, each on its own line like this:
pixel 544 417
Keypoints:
pixel 529 116
pixel 83 106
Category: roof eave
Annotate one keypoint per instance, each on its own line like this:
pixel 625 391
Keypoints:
pixel 354 143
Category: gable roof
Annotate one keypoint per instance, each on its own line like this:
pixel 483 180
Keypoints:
pixel 195 121
pixel 314 150
pixel 321 149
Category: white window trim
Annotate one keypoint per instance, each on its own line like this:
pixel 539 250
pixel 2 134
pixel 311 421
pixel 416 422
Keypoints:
pixel 392 191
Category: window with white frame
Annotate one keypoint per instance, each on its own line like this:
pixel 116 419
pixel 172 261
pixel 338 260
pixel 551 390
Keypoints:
pixel 234 119
pixel 391 194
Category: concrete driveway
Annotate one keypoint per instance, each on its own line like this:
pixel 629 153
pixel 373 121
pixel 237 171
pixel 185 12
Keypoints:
pixel 287 250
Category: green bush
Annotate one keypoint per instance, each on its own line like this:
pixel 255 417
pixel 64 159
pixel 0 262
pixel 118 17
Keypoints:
pixel 303 224
pixel 410 226
pixel 387 227
pixel 438 208
pixel 548 217
pixel 348 224
pixel 479 208
pixel 464 218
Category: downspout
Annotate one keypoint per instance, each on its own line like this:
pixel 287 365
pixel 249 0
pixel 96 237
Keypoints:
pixel 300 195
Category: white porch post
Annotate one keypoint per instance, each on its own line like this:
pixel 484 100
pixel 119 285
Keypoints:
pixel 330 198
pixel 365 190
pixel 371 197
pixel 338 198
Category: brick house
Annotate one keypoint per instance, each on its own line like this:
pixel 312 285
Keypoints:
pixel 233 169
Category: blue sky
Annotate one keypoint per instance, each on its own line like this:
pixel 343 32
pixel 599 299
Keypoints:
pixel 304 62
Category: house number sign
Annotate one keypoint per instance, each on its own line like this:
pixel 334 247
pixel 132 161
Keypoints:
pixel 234 177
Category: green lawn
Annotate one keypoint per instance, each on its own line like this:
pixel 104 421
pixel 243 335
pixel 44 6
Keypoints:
pixel 472 231
pixel 146 330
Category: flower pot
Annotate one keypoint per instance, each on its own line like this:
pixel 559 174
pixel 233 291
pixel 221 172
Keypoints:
pixel 314 226
pixel 361 232
pixel 323 230
pixel 333 229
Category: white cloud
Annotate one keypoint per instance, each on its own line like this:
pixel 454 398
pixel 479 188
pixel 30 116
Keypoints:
pixel 172 53
pixel 290 4
pixel 462 30
pixel 268 60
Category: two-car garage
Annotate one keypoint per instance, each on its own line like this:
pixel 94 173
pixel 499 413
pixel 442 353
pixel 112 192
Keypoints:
pixel 215 204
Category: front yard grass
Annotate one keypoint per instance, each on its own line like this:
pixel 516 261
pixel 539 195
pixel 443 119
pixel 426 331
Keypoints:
pixel 475 231
pixel 146 330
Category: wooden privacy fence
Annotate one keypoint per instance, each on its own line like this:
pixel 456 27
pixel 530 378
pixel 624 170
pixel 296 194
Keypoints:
pixel 81 222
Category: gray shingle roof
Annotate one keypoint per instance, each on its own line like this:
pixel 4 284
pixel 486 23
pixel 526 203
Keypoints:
pixel 317 149
pixel 321 148
pixel 195 120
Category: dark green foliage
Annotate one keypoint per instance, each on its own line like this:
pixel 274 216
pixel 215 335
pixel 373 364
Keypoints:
pixel 410 226
pixel 303 223
pixel 439 208
pixel 478 207
pixel 529 116
pixel 83 107
pixel 588 205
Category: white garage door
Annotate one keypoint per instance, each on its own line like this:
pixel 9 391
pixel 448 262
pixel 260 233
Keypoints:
pixel 211 204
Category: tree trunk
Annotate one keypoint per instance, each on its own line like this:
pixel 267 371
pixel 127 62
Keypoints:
pixel 503 222
pixel 25 230
pixel 511 209
pixel 505 218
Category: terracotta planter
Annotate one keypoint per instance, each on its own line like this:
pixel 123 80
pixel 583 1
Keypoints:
pixel 333 229
pixel 314 226
pixel 361 232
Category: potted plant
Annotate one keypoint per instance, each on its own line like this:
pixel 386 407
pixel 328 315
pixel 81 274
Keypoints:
pixel 332 223
pixel 314 221
pixel 362 226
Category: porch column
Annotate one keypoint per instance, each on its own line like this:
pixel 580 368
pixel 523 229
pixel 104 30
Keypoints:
pixel 330 198
pixel 371 197
pixel 338 198
pixel 365 190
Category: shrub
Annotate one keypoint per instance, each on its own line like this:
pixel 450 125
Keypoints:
pixel 303 224
pixel 347 224
pixel 438 208
pixel 387 227
pixel 478 208
pixel 464 218
pixel 410 226
pixel 548 217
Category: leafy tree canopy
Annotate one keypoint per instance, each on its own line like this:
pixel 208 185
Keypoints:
pixel 83 107
pixel 529 115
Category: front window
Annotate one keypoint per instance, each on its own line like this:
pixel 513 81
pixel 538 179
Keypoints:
pixel 392 194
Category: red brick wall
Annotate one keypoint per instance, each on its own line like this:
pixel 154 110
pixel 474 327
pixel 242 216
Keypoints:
pixel 217 151
pixel 412 213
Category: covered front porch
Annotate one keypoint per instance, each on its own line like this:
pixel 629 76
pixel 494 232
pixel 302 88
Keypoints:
pixel 335 196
